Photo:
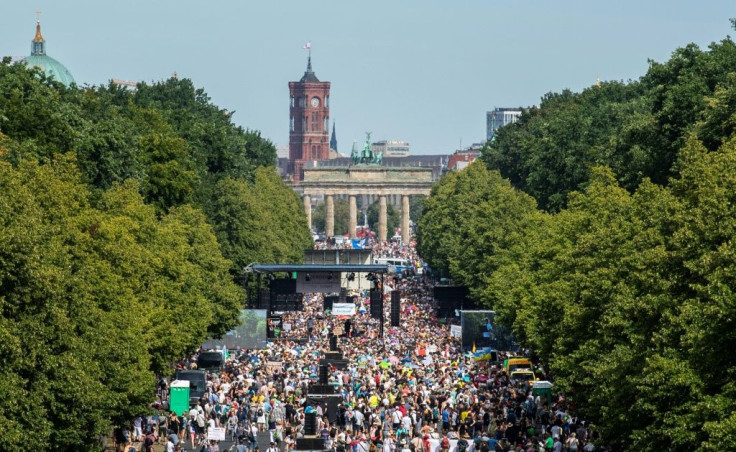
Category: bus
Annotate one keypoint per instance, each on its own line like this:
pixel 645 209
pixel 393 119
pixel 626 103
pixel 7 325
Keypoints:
pixel 399 264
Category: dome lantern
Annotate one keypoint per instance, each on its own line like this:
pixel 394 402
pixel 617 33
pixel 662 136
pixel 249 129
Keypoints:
pixel 38 58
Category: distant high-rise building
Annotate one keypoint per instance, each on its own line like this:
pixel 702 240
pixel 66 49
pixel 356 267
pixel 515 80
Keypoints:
pixel 500 117
pixel 38 58
pixel 333 139
pixel 308 122
pixel 391 148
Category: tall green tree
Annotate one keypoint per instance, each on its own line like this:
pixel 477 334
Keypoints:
pixel 259 222
pixel 470 216
pixel 635 128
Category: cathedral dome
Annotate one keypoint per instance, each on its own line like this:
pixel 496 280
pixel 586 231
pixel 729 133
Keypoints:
pixel 38 58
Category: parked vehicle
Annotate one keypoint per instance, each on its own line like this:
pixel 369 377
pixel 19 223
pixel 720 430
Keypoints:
pixel 518 363
pixel 399 265
pixel 197 383
pixel 523 376
pixel 212 361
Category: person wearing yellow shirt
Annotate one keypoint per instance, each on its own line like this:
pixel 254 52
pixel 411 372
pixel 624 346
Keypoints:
pixel 373 401
pixel 463 415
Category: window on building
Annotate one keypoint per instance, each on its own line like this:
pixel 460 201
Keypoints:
pixel 291 124
pixel 304 124
pixel 327 101
pixel 292 101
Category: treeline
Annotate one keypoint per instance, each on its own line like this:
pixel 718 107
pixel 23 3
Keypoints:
pixel 126 218
pixel 601 228
pixel 634 128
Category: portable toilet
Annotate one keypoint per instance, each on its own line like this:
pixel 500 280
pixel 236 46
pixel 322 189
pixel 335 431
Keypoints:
pixel 179 397
pixel 542 389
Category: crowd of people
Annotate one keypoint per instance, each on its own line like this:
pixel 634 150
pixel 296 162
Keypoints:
pixel 414 390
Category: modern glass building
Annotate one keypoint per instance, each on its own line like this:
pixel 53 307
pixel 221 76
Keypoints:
pixel 499 117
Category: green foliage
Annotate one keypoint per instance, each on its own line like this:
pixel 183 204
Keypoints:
pixel 263 221
pixel 636 128
pixel 623 283
pixel 625 297
pixel 469 215
pixel 218 147
pixel 95 302
pixel 110 271
pixel 416 208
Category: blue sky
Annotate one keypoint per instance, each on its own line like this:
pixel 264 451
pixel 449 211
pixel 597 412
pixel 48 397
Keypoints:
pixel 421 71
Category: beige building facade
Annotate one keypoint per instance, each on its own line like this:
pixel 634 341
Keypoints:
pixel 369 181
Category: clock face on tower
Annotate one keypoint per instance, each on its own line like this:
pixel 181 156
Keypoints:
pixel 315 102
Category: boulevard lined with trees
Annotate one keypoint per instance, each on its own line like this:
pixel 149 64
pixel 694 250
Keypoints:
pixel 126 218
pixel 601 228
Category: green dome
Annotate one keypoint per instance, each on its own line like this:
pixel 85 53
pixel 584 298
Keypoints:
pixel 51 67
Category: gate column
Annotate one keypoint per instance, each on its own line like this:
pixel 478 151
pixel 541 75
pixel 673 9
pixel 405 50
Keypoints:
pixel 329 216
pixel 352 221
pixel 405 233
pixel 382 218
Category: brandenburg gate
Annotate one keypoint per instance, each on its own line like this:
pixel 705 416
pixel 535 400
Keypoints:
pixel 366 176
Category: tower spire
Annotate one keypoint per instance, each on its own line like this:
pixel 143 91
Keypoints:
pixel 333 139
pixel 38 45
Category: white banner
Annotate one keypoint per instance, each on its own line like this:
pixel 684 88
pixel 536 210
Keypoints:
pixel 318 282
pixel 343 308
pixel 456 331
pixel 216 433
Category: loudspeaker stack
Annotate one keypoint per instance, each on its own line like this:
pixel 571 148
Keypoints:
pixel 376 304
pixel 395 307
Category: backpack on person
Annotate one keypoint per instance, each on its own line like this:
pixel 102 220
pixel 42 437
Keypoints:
pixel 445 443
pixel 148 443
pixel 462 445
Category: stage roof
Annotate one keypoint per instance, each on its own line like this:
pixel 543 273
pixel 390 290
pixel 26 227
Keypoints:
pixel 288 268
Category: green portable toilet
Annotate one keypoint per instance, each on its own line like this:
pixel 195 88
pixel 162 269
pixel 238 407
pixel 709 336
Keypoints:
pixel 543 389
pixel 179 397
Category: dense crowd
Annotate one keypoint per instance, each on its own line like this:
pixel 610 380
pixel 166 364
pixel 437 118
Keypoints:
pixel 414 391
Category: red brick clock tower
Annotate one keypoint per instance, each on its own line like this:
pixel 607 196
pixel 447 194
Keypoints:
pixel 308 122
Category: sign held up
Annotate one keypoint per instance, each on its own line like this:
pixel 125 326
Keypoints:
pixel 343 309
pixel 216 434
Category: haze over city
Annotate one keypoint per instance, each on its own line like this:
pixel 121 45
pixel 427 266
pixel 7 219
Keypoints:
pixel 421 71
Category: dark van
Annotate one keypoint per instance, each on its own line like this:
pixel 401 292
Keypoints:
pixel 197 383
pixel 212 361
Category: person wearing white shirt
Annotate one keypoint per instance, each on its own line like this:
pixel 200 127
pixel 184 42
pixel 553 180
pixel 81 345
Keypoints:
pixel 406 422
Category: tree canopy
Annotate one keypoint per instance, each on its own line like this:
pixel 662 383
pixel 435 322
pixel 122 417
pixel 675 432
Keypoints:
pixel 634 128
pixel 126 217
pixel 622 281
